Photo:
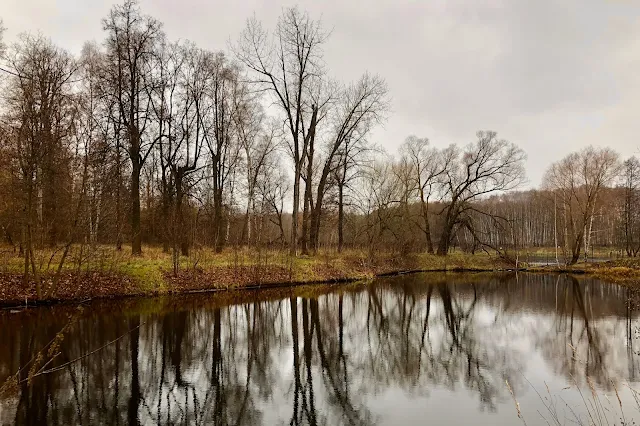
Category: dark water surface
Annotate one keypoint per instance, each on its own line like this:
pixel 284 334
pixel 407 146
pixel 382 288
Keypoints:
pixel 417 349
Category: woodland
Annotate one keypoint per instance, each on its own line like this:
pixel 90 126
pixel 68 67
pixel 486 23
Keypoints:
pixel 143 144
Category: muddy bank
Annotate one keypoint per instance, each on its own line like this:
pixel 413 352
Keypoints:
pixel 74 286
pixel 83 286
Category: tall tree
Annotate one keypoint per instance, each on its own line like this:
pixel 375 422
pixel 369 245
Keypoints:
pixel 352 161
pixel 289 65
pixel 94 131
pixel 222 140
pixel 40 112
pixel 131 43
pixel 259 142
pixel 579 179
pixel 487 166
pixel 359 107
pixel 427 166
pixel 631 205
pixel 183 91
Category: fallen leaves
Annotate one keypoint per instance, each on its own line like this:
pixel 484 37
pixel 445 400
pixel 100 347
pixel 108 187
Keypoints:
pixel 72 286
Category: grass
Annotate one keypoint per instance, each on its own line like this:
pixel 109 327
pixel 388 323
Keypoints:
pixel 106 258
pixel 152 273
pixel 596 252
pixel 623 270
pixel 148 274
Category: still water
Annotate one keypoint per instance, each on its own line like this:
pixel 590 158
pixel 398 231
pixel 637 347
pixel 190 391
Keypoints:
pixel 417 349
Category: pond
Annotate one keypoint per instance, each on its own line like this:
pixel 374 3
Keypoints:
pixel 413 349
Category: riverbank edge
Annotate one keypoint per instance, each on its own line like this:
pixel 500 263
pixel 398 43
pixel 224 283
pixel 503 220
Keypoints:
pixel 612 271
pixel 87 286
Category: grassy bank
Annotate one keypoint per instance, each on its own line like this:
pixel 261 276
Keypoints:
pixel 623 270
pixel 105 272
pixel 102 272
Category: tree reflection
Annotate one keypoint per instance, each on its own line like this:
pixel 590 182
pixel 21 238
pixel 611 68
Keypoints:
pixel 322 357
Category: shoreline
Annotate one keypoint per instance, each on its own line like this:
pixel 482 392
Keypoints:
pixel 7 304
pixel 84 286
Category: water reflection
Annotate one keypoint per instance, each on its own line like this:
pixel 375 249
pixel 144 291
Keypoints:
pixel 358 355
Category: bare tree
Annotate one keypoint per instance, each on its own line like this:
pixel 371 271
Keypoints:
pixel 353 159
pixel 183 94
pixel 359 108
pixel 379 196
pixel 259 141
pixel 273 188
pixel 490 165
pixel 84 146
pixel 221 141
pixel 130 57
pixel 289 65
pixel 579 179
pixel 322 100
pixel 427 166
pixel 631 205
pixel 166 91
pixel 39 104
pixel 89 64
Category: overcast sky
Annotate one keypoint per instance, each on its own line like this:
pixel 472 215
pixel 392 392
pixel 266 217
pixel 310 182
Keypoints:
pixel 551 76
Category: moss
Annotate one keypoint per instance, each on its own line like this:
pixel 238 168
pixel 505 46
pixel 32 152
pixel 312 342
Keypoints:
pixel 148 275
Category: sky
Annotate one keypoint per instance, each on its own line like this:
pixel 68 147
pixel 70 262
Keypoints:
pixel 550 76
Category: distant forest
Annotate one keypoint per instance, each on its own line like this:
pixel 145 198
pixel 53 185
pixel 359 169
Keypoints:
pixel 142 140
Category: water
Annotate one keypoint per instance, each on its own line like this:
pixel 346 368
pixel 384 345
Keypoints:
pixel 415 349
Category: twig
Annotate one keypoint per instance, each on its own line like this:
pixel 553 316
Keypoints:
pixel 60 367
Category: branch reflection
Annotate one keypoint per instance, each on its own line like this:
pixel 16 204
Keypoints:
pixel 316 359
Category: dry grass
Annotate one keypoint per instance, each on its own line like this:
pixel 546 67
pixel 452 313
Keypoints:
pixel 238 267
pixel 595 408
pixel 624 271
pixel 204 269
pixel 597 252
pixel 107 258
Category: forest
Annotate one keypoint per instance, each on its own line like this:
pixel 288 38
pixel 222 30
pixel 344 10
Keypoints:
pixel 142 142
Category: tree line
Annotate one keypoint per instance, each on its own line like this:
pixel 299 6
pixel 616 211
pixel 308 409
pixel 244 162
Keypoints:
pixel 144 139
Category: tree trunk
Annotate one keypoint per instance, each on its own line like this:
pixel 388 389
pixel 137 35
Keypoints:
pixel 306 218
pixel 245 237
pixel 165 221
pixel 308 202
pixel 340 217
pixel 445 239
pixel 447 232
pixel 49 202
pixel 576 246
pixel 317 213
pixel 294 215
pixel 299 161
pixel 587 238
pixel 136 241
pixel 575 255
pixel 180 233
pixel 425 216
pixel 27 250
pixel 118 195
pixel 218 222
